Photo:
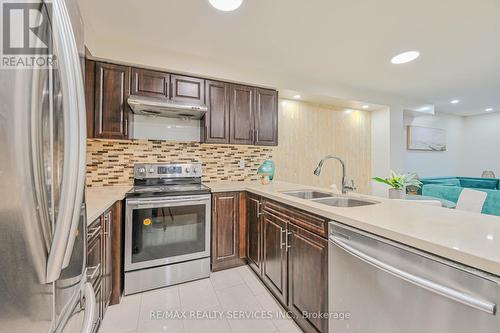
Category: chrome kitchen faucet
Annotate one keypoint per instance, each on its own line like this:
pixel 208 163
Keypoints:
pixel 345 182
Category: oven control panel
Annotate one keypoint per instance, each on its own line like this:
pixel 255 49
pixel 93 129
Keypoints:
pixel 159 170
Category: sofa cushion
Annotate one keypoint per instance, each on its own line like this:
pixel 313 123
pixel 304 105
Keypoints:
pixel 452 193
pixel 492 204
pixel 442 181
pixel 479 183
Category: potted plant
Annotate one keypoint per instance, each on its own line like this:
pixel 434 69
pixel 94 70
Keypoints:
pixel 398 183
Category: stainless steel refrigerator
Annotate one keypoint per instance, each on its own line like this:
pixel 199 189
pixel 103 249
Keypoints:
pixel 43 285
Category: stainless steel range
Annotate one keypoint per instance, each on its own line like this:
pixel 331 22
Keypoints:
pixel 167 227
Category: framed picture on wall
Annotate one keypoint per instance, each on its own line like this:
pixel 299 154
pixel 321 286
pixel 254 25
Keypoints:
pixel 426 138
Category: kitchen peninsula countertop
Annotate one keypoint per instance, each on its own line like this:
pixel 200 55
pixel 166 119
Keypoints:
pixel 99 199
pixel 468 238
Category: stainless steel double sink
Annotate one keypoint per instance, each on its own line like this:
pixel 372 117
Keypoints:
pixel 329 199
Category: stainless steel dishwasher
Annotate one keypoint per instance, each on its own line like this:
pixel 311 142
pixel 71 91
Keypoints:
pixel 379 286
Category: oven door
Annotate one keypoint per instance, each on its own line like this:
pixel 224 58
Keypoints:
pixel 166 230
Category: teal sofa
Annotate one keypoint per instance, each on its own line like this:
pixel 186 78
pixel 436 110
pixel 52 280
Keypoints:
pixel 449 188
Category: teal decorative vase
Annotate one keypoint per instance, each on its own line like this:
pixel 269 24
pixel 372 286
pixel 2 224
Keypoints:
pixel 267 168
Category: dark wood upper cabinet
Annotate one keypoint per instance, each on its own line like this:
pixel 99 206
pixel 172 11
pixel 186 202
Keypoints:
pixel 266 117
pixel 150 83
pixel 112 116
pixel 215 124
pixel 308 293
pixel 241 108
pixel 254 227
pixel 186 89
pixel 237 114
pixel 226 231
pixel 90 95
pixel 274 259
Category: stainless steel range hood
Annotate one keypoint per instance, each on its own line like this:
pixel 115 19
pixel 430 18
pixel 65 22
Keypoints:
pixel 151 106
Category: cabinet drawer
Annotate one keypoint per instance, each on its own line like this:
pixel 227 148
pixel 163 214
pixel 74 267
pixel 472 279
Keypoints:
pixel 308 221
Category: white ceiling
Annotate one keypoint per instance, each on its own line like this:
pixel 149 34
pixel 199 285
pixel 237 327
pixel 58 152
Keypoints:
pixel 348 42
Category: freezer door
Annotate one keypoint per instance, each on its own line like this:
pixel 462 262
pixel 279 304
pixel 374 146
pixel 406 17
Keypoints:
pixel 42 130
pixel 386 287
pixel 25 206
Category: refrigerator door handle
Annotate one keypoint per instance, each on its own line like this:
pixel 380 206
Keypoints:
pixel 77 104
pixel 421 282
pixel 90 309
pixel 72 180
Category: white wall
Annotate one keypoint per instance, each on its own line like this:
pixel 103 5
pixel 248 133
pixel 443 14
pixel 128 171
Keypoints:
pixel 482 145
pixel 432 163
pixel 381 148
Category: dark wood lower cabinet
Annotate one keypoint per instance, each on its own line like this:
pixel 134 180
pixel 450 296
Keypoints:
pixel 226 225
pixel 254 227
pixel 308 277
pixel 107 260
pixel 104 258
pixel 274 259
pixel 116 253
pixel 288 249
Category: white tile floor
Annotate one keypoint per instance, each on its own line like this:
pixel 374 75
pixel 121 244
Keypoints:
pixel 227 291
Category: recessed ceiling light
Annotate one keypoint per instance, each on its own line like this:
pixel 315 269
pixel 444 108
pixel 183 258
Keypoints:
pixel 226 5
pixel 425 109
pixel 405 57
pixel 365 106
pixel 455 101
pixel 297 96
pixel 488 109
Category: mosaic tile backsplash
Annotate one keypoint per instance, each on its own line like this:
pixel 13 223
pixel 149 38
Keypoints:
pixel 111 162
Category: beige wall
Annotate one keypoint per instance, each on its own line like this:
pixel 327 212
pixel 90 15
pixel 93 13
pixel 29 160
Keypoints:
pixel 308 132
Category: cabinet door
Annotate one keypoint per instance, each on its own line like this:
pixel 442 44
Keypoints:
pixel 90 95
pixel 112 83
pixel 116 252
pixel 308 293
pixel 216 121
pixel 225 231
pixel 266 117
pixel 274 260
pixel 241 114
pixel 254 225
pixel 186 89
pixel 107 259
pixel 150 83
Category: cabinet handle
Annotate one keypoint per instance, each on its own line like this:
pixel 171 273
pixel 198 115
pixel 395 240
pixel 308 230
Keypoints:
pixel 288 246
pixel 256 135
pixel 95 271
pixel 94 232
pixel 259 210
pixel 283 234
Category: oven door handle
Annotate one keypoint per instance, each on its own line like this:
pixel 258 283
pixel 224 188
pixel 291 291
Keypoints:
pixel 141 203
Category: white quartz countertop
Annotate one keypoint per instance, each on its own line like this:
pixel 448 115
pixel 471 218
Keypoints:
pixel 468 238
pixel 99 199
